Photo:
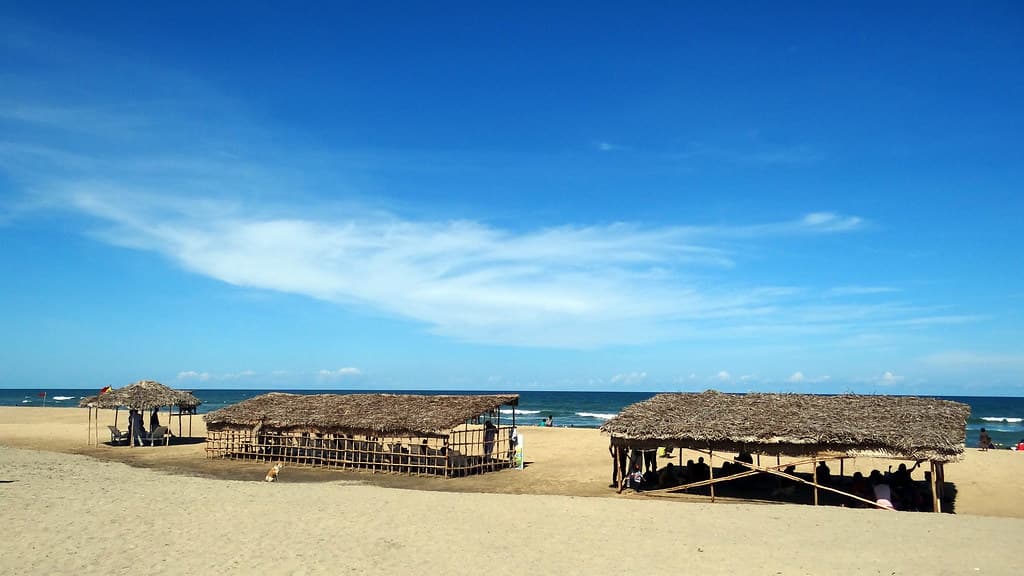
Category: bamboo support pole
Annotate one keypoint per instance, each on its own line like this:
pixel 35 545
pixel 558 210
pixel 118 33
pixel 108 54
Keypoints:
pixel 936 506
pixel 711 473
pixel 814 478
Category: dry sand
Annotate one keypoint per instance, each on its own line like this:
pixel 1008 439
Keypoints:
pixel 69 508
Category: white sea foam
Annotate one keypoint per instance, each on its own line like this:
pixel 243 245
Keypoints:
pixel 1002 419
pixel 509 411
pixel 63 397
pixel 597 415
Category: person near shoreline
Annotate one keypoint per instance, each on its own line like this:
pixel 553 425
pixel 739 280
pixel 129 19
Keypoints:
pixel 984 440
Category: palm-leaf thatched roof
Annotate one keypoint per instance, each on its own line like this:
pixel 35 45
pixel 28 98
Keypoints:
pixel 142 395
pixel 378 414
pixel 797 424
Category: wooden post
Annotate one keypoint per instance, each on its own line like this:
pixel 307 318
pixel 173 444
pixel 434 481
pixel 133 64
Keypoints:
pixel 814 479
pixel 841 462
pixel 88 430
pixel 936 506
pixel 711 472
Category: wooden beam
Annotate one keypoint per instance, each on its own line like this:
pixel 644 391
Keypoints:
pixel 774 471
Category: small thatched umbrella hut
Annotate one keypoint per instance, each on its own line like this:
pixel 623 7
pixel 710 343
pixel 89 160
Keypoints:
pixel 402 433
pixel 146 395
pixel 814 427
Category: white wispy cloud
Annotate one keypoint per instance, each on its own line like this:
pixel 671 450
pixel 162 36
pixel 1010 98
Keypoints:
pixel 799 377
pixel 888 377
pixel 860 290
pixel 346 372
pixel 723 376
pixel 605 146
pixel 570 286
pixel 207 376
pixel 629 378
pixel 973 358
pixel 759 155
pixel 193 375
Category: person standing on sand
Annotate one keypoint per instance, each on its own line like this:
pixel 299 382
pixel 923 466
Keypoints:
pixel 619 461
pixel 135 428
pixel 984 440
pixel 490 433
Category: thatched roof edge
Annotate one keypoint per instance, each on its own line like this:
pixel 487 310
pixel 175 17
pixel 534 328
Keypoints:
pixel 397 414
pixel 797 424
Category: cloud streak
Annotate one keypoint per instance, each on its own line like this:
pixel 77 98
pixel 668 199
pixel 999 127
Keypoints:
pixel 570 286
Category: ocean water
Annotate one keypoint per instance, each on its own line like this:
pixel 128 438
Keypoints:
pixel 1001 416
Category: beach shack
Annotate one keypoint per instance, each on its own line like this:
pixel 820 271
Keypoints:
pixel 811 428
pixel 438 435
pixel 144 395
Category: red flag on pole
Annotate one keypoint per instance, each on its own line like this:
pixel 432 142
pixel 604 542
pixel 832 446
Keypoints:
pixel 42 394
pixel 104 390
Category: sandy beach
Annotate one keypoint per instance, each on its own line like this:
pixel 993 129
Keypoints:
pixel 73 508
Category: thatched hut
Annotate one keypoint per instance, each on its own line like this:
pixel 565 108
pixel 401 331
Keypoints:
pixel 146 395
pixel 403 433
pixel 814 427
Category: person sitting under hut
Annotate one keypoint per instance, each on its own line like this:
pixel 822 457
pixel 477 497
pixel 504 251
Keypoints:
pixel 634 480
pixel 823 474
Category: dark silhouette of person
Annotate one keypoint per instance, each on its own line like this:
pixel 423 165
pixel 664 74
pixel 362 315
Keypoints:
pixel 984 440
pixel 135 428
pixel 490 433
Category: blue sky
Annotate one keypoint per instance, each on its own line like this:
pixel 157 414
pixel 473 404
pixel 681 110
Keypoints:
pixel 534 196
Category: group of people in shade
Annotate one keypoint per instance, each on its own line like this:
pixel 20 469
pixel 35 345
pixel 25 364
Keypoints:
pixel 638 470
pixel 135 428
